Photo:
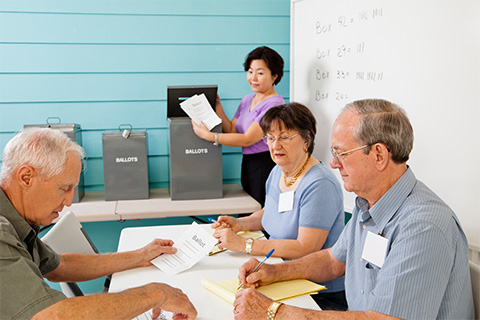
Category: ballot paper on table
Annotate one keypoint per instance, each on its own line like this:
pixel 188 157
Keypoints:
pixel 199 110
pixel 191 246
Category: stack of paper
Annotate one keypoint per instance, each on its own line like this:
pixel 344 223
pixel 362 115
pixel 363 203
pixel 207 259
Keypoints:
pixel 277 291
pixel 199 110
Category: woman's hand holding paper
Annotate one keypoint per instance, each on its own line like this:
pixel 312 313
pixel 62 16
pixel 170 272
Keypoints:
pixel 202 131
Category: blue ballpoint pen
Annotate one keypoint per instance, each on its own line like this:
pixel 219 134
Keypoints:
pixel 213 221
pixel 259 265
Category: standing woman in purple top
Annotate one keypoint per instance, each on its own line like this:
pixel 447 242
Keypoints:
pixel 264 68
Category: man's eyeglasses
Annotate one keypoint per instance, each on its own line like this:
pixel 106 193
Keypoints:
pixel 335 154
pixel 281 139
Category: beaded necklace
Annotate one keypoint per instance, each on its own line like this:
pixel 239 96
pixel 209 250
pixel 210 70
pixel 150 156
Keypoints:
pixel 294 179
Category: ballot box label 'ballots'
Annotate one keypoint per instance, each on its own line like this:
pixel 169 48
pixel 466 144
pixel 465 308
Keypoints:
pixel 74 132
pixel 125 165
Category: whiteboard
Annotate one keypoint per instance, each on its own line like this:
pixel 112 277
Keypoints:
pixel 422 55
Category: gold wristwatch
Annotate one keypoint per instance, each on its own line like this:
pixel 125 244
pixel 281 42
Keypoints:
pixel 248 245
pixel 272 310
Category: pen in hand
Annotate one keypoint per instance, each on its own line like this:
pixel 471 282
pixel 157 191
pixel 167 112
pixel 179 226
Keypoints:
pixel 213 221
pixel 258 265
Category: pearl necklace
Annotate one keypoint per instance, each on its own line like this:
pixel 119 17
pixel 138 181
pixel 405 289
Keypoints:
pixel 294 179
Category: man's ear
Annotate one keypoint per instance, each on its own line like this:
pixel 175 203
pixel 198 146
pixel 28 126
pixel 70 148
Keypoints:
pixel 382 156
pixel 25 175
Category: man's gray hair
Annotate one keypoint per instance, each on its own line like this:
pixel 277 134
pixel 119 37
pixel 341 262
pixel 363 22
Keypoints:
pixel 383 122
pixel 41 148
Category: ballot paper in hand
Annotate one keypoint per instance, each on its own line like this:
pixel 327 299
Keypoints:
pixel 191 246
pixel 199 110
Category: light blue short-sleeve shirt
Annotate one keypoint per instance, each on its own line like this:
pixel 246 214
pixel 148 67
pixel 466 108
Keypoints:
pixel 425 274
pixel 317 203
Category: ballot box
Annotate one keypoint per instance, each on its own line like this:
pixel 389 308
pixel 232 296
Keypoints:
pixel 125 165
pixel 195 164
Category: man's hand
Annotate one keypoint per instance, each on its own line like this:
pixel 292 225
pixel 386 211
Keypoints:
pixel 174 300
pixel 250 304
pixel 154 249
pixel 263 276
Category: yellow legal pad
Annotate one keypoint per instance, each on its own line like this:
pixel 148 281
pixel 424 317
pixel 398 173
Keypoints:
pixel 277 291
pixel 245 234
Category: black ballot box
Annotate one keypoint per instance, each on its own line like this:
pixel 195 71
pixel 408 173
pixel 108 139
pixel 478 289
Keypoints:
pixel 74 132
pixel 195 164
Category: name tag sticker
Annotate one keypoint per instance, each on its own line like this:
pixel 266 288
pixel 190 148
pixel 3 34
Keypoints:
pixel 375 249
pixel 285 201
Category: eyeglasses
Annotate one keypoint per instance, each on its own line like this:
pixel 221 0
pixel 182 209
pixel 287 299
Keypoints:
pixel 281 139
pixel 335 154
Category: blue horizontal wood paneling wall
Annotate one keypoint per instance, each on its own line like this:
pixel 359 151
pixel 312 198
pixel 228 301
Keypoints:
pixel 104 63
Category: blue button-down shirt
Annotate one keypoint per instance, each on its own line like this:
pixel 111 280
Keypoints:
pixel 425 274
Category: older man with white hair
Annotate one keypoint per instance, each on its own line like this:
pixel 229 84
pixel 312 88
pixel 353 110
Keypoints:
pixel 40 170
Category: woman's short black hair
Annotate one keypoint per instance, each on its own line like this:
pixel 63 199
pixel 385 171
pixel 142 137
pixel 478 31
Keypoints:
pixel 273 60
pixel 292 116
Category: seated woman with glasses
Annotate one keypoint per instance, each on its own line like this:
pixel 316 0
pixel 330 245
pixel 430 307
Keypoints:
pixel 303 209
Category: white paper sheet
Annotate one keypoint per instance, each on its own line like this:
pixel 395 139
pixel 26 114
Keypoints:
pixel 192 246
pixel 199 110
